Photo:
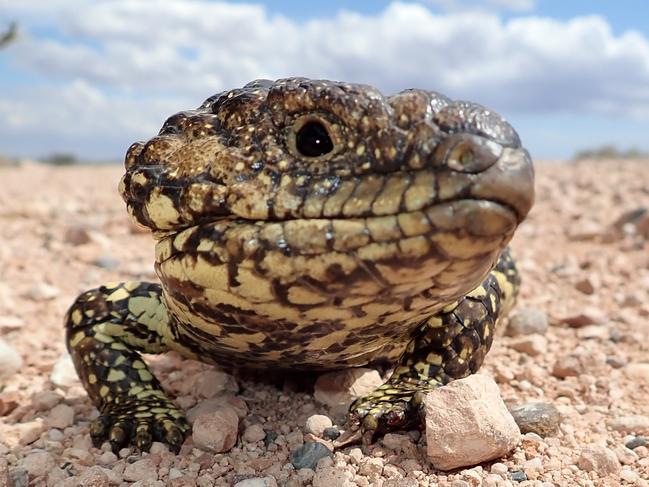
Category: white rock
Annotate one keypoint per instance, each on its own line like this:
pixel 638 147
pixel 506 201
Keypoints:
pixel 46 400
pixel 333 476
pixel 468 423
pixel 61 416
pixel 42 292
pixel 526 321
pixel 212 382
pixel 10 360
pixel 635 423
pixel 625 455
pixel 317 423
pixel 637 372
pixel 629 475
pixel 38 464
pixel 63 373
pixel 339 389
pixel 143 469
pixel 257 482
pixel 216 431
pixel 598 459
pixel 216 403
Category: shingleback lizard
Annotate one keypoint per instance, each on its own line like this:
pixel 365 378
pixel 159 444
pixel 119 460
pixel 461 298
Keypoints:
pixel 308 224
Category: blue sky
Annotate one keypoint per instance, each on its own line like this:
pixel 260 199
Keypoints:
pixel 90 77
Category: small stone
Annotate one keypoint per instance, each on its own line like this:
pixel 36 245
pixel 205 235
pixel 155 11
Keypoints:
pixel 4 471
pixel 355 455
pixel 307 455
pixel 598 459
pixel 587 316
pixel 45 400
pixel 532 345
pixel 396 442
pixel 217 403
pixel 526 321
pixel 10 360
pixel 638 372
pixel 537 417
pixel 339 389
pixel 499 469
pixel 270 437
pixel 588 285
pixel 629 475
pixel 567 366
pixel 63 373
pixel 217 431
pixel 212 382
pixel 257 482
pixel 42 292
pixel 106 262
pixel 77 235
pixel 635 423
pixel 107 458
pixel 317 423
pixel 61 416
pixel 31 431
pixel 38 464
pixel 143 469
pixel 615 361
pixel 593 332
pixel 635 442
pixel 331 433
pixel 10 323
pixel 94 477
pixel 473 410
pixel 518 476
pixel 460 483
pixel 625 455
pixel 371 467
pixel 9 401
pixel 254 433
pixel 333 476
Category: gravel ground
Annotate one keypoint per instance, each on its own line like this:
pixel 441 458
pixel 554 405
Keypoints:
pixel 583 254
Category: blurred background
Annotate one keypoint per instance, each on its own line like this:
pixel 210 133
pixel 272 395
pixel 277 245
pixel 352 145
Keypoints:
pixel 80 80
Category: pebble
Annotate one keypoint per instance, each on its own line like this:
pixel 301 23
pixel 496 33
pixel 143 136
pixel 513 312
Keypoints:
pixel 625 455
pixel 254 433
pixel 4 471
pixel 499 468
pixel 635 442
pixel 526 321
pixel 339 389
pixel 638 372
pixel 10 323
pixel 588 285
pixel 257 482
pixel 42 292
pixel 634 423
pixel 106 262
pixel 333 476
pixel 38 464
pixel 518 476
pixel 532 345
pixel 77 235
pixel 567 366
pixel 211 382
pixel 317 424
pixel 217 403
pixel 270 437
pixel 593 332
pixel 483 429
pixel 216 431
pixel 307 455
pixel 598 459
pixel 94 477
pixel 331 433
pixel 629 475
pixel 587 316
pixel 45 400
pixel 143 469
pixel 371 467
pixel 537 417
pixel 61 416
pixel 10 360
pixel 63 373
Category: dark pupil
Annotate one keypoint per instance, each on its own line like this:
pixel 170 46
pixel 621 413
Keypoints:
pixel 312 140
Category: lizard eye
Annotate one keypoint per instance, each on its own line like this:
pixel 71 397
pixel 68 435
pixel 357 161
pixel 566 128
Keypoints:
pixel 313 140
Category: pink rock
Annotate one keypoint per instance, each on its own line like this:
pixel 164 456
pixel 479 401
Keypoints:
pixel 468 423
pixel 38 464
pixel 144 469
pixel 532 345
pixel 211 382
pixel 216 431
pixel 587 316
pixel 317 423
pixel 61 416
pixel 598 459
pixel 340 388
pixel 254 433
pixel 216 403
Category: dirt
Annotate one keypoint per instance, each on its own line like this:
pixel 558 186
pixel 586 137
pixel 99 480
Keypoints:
pixel 583 254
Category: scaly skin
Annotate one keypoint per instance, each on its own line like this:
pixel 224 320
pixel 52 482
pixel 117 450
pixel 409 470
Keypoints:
pixel 312 225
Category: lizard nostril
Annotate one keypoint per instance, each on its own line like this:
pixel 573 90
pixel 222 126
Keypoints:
pixel 468 153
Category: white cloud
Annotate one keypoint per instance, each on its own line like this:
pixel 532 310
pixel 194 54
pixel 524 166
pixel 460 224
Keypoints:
pixel 512 5
pixel 120 67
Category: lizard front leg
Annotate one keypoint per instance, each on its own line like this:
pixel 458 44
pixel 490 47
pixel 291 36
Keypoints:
pixel 106 328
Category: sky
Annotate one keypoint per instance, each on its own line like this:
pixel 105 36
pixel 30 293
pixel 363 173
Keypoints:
pixel 90 77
